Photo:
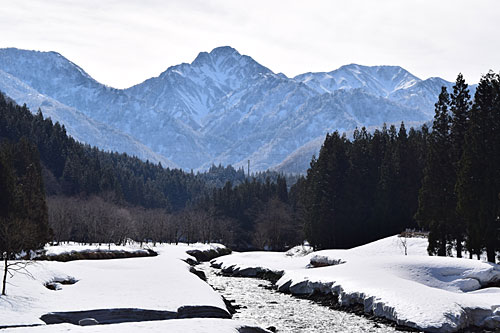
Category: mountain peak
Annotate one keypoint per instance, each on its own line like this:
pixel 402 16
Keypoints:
pixel 34 67
pixel 202 57
pixel 221 52
pixel 227 60
pixel 359 67
pixel 224 51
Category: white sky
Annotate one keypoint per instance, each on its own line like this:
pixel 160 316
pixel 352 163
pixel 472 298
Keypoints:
pixel 124 42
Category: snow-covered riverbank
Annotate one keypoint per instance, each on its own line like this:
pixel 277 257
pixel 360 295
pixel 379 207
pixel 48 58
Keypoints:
pixel 161 283
pixel 257 303
pixel 427 293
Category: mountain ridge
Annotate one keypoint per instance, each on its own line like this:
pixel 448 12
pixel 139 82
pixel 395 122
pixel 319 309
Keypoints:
pixel 77 125
pixel 224 107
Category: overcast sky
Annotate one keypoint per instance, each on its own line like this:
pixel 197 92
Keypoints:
pixel 124 42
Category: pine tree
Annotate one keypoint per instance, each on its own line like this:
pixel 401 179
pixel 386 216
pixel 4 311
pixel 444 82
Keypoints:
pixel 459 106
pixel 436 196
pixel 327 218
pixel 404 162
pixel 386 198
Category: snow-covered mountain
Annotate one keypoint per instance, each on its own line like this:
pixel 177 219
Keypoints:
pixel 225 107
pixel 377 80
pixel 189 91
pixel 78 125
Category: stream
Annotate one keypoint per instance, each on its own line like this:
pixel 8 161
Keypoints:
pixel 264 307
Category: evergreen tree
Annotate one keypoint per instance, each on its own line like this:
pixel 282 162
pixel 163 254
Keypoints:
pixel 386 185
pixel 415 163
pixel 436 196
pixel 405 179
pixel 327 218
pixel 478 185
pixel 23 215
pixel 459 106
pixel 360 190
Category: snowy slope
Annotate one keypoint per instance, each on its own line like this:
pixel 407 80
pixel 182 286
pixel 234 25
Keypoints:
pixel 156 283
pixel 377 80
pixel 189 91
pixel 224 107
pixel 286 115
pixel 161 283
pixel 298 161
pixel 434 294
pixel 76 123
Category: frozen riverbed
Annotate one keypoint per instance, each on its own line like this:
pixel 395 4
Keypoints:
pixel 267 308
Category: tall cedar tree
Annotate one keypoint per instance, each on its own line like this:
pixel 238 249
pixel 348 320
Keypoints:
pixel 326 219
pixel 478 184
pixel 361 186
pixel 386 205
pixel 459 106
pixel 436 196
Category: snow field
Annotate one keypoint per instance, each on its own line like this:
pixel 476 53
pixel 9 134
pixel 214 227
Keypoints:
pixel 153 283
pixel 196 325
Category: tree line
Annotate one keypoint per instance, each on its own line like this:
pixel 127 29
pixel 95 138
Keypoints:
pixel 259 213
pixel 362 190
pixel 72 168
pixel 96 196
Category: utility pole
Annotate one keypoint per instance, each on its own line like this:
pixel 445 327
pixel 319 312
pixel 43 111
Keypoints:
pixel 248 169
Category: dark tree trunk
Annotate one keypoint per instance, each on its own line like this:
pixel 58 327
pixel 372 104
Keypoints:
pixel 4 275
pixel 442 246
pixel 459 247
pixel 490 253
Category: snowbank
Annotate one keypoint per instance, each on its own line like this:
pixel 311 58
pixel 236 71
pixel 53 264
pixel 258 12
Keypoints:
pixel 71 247
pixel 162 283
pixel 427 293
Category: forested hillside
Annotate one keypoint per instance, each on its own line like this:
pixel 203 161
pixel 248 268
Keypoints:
pixel 446 180
pixel 97 196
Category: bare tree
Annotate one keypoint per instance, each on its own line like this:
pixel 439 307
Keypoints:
pixel 403 239
pixel 59 219
pixel 275 228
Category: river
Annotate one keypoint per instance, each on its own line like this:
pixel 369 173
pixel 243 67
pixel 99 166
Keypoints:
pixel 265 307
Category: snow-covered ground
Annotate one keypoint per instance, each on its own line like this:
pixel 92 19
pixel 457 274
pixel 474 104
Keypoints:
pixel 288 314
pixel 194 325
pixel 428 293
pixel 160 283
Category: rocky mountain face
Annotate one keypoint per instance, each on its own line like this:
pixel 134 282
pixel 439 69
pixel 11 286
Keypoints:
pixel 223 107
pixel 77 124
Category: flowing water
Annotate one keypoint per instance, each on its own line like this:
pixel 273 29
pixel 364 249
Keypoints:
pixel 265 307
